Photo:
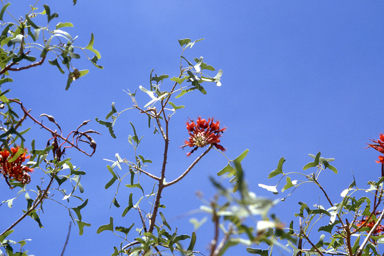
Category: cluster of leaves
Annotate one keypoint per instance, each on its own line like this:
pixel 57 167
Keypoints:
pixel 351 226
pixel 23 42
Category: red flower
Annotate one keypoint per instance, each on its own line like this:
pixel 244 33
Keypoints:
pixel 14 170
pixel 379 146
pixel 370 223
pixel 203 133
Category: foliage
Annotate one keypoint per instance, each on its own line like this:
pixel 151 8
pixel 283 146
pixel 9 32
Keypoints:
pixel 26 43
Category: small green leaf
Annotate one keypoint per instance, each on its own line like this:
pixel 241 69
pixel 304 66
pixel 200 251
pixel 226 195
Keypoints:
pixel 130 205
pixel 3 10
pixel 123 229
pixel 115 203
pixel 278 170
pixel 62 25
pixel 90 47
pixel 226 169
pixel 30 22
pixel 257 251
pixel 178 80
pixel 174 106
pixel 288 185
pixel 114 178
pixel 135 186
pixel 164 221
pixel 56 63
pixel 106 227
pixel 81 226
pixel 182 42
pixel 192 243
pixel 78 208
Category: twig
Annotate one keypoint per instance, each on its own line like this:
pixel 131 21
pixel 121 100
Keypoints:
pixel 66 241
pixel 216 236
pixel 189 168
pixel 9 66
pixel 223 241
pixel 306 237
pixel 33 207
pixel 361 248
pixel 147 173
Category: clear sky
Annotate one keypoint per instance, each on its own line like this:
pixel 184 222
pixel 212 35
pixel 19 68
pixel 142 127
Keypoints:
pixel 299 77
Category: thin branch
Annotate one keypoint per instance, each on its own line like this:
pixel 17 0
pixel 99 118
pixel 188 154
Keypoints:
pixel 66 241
pixel 33 207
pixel 147 173
pixel 9 66
pixel 361 248
pixel 216 236
pixel 307 238
pixel 189 168
pixel 223 241
pixel 54 133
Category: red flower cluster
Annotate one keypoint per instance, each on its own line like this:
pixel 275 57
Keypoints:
pixel 379 146
pixel 14 170
pixel 370 223
pixel 203 133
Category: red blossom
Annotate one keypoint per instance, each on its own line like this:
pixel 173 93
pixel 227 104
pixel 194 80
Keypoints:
pixel 379 146
pixel 14 171
pixel 370 223
pixel 203 133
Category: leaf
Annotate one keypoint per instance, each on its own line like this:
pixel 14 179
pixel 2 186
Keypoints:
pixel 81 226
pixel 241 156
pixel 269 188
pixel 178 80
pixel 226 169
pixel 114 178
pixel 174 106
pixel 135 186
pixel 62 25
pixel 30 22
pixel 109 125
pixel 90 47
pixel 130 205
pixel 3 10
pixel 78 208
pixel 182 42
pixel 48 12
pixel 112 111
pixel 288 185
pixel 257 251
pixel 192 243
pixel 278 170
pixel 328 228
pixel 115 203
pixel 2 237
pixel 106 227
pixel 124 230
pixel 56 63
pixel 164 220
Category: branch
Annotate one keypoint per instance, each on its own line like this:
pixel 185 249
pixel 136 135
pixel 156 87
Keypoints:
pixel 66 241
pixel 147 173
pixel 306 237
pixel 189 168
pixel 361 248
pixel 26 112
pixel 9 66
pixel 216 237
pixel 33 207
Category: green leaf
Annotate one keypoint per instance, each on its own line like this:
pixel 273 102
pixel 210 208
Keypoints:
pixel 3 10
pixel 192 243
pixel 288 185
pixel 328 228
pixel 48 12
pixel 30 22
pixel 178 80
pixel 114 178
pixel 135 186
pixel 18 153
pixel 36 217
pixel 90 47
pixel 56 63
pixel 112 111
pixel 124 230
pixel 226 169
pixel 182 42
pixel 115 203
pixel 78 208
pixel 130 205
pixel 278 170
pixel 81 226
pixel 106 227
pixel 62 25
pixel 174 106
pixel 109 125
pixel 5 235
pixel 257 251
pixel 164 220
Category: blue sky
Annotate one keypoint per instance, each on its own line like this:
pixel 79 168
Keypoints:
pixel 299 77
